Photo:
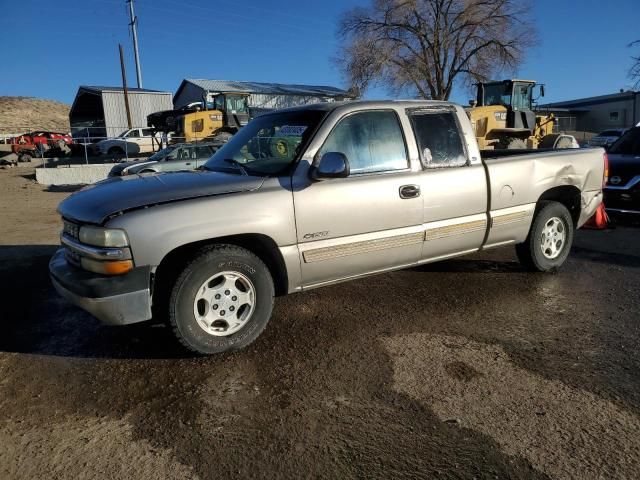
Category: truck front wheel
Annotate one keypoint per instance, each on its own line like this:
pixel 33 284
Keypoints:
pixel 221 301
pixel 550 238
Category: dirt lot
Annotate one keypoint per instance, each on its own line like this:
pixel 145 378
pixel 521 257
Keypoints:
pixel 469 368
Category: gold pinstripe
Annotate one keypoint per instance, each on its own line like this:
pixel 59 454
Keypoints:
pixel 508 218
pixel 366 246
pixel 456 229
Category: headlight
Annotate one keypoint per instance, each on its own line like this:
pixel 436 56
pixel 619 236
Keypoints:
pixel 103 237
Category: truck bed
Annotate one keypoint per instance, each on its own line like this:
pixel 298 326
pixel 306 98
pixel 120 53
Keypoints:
pixel 489 154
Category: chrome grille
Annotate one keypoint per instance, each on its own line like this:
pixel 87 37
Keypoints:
pixel 71 229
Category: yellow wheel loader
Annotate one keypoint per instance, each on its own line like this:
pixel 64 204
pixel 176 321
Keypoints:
pixel 502 117
pixel 216 121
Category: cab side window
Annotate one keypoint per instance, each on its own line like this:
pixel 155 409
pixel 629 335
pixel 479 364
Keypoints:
pixel 439 139
pixel 371 141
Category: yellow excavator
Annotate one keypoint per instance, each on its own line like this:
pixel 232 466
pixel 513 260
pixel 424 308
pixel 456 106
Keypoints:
pixel 215 121
pixel 502 117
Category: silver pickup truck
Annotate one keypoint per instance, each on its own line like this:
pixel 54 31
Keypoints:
pixel 306 197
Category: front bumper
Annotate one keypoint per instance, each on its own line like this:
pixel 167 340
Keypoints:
pixel 117 300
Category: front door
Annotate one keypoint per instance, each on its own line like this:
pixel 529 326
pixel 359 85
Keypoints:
pixel 370 221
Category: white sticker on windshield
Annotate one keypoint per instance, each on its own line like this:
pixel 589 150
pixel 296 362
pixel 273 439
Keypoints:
pixel 292 130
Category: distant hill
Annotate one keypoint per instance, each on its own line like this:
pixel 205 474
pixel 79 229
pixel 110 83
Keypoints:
pixel 21 114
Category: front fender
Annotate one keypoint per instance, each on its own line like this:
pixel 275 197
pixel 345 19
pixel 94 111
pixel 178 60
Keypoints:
pixel 155 231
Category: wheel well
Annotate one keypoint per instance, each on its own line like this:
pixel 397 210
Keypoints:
pixel 261 245
pixel 567 195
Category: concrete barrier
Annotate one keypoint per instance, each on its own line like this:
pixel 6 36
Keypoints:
pixel 72 175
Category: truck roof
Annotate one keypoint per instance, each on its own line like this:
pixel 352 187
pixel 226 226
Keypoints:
pixel 330 106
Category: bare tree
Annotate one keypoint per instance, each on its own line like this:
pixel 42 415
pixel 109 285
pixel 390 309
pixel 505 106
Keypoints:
pixel 426 46
pixel 634 72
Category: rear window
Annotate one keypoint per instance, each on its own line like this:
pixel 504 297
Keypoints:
pixel 628 144
pixel 439 139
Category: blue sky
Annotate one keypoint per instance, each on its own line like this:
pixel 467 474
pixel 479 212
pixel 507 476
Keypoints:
pixel 66 43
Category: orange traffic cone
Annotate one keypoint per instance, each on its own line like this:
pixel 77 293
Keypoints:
pixel 600 219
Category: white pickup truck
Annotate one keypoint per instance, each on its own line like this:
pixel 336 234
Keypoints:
pixel 128 143
pixel 307 197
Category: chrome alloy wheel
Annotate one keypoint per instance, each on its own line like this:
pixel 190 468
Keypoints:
pixel 553 238
pixel 224 303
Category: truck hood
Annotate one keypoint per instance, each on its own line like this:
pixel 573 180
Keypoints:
pixel 96 203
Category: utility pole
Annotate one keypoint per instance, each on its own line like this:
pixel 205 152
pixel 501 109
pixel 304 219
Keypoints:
pixel 124 87
pixel 134 31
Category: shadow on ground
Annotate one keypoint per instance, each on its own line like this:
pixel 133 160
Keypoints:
pixel 36 320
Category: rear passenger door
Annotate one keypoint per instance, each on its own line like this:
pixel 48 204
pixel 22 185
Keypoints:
pixel 452 181
pixel 363 223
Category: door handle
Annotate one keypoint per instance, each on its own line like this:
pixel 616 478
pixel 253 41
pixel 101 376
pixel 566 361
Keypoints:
pixel 409 191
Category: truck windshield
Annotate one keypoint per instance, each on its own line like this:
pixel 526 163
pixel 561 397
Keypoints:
pixel 267 145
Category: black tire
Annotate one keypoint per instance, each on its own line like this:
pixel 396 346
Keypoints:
pixel 24 157
pixel 511 143
pixel 530 253
pixel 210 261
pixel 116 153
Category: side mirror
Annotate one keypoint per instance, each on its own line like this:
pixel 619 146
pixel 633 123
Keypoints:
pixel 331 165
pixel 542 90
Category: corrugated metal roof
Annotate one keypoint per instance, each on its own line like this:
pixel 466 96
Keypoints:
pixel 594 100
pixel 99 89
pixel 267 88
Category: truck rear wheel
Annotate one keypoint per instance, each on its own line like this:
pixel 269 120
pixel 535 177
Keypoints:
pixel 549 241
pixel 221 301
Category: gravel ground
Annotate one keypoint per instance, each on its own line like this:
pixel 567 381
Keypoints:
pixel 469 368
